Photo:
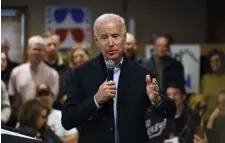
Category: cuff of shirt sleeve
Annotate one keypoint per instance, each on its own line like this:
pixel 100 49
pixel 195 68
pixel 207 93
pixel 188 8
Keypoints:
pixel 158 103
pixel 96 103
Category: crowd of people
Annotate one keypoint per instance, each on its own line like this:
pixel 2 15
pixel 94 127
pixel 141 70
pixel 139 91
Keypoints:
pixel 33 93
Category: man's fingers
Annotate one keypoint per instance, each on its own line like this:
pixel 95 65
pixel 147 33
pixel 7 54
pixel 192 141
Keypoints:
pixel 154 81
pixel 156 87
pixel 197 137
pixel 113 87
pixel 148 79
pixel 112 92
pixel 110 82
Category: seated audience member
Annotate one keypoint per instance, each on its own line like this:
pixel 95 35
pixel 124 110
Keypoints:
pixel 166 69
pixel 183 125
pixel 32 119
pixel 130 49
pixel 5 104
pixel 45 95
pixel 54 59
pixel 213 82
pixel 6 63
pixel 196 102
pixel 216 122
pixel 79 55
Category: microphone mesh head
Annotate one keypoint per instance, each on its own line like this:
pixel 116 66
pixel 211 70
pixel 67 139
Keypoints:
pixel 110 64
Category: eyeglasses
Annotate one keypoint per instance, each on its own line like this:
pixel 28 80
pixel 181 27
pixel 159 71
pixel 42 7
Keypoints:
pixel 77 34
pixel 77 14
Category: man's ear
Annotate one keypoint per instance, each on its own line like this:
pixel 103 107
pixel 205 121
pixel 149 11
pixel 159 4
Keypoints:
pixel 125 35
pixel 96 40
pixel 95 37
pixel 27 49
pixel 184 97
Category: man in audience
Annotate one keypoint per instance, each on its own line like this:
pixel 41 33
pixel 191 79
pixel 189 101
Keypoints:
pixel 45 95
pixel 183 125
pixel 166 69
pixel 25 78
pixel 130 49
pixel 6 63
pixel 54 59
pixel 5 104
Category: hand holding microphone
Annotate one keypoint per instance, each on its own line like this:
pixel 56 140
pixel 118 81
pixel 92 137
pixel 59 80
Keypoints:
pixel 107 90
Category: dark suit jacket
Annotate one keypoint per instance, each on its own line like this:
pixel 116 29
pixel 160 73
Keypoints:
pixel 97 126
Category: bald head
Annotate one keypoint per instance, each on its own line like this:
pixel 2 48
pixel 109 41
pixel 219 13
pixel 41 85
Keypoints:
pixel 130 38
pixel 130 46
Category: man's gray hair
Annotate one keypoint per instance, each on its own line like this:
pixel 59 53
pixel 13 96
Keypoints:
pixel 4 42
pixel 109 17
pixel 37 40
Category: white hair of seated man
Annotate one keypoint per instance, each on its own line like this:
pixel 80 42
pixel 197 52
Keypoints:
pixel 109 17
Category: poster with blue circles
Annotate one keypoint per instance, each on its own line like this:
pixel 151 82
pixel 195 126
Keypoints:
pixel 72 24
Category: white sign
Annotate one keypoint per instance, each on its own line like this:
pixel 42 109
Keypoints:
pixel 72 24
pixel 189 56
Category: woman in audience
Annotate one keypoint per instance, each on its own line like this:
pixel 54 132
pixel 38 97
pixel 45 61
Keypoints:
pixel 6 63
pixel 216 122
pixel 5 104
pixel 32 119
pixel 213 82
pixel 45 95
pixel 79 55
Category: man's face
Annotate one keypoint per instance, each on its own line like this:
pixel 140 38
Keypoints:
pixel 161 46
pixel 111 40
pixel 4 48
pixel 46 99
pixel 215 63
pixel 130 46
pixel 35 53
pixel 175 95
pixel 53 43
pixel 3 61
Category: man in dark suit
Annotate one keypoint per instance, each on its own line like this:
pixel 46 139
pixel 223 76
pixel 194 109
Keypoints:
pixel 166 69
pixel 112 111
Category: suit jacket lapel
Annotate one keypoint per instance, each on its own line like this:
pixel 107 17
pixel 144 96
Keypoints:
pixel 98 69
pixel 124 80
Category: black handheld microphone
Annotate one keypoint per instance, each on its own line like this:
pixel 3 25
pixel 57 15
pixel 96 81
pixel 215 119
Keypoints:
pixel 110 64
